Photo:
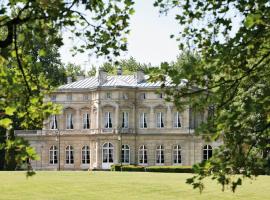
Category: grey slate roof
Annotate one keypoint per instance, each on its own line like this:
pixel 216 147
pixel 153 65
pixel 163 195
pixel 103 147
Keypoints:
pixel 112 81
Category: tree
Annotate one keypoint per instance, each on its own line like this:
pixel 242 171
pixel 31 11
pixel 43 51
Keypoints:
pixel 73 71
pixel 25 25
pixel 232 79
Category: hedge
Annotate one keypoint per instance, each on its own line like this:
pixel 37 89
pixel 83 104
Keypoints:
pixel 164 169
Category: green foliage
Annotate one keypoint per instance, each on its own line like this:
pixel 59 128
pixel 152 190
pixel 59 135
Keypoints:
pixel 73 71
pixel 229 80
pixel 163 169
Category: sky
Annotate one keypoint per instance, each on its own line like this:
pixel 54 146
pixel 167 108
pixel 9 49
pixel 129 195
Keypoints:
pixel 148 42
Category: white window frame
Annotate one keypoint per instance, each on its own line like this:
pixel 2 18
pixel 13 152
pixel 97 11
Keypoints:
pixel 53 155
pixel 85 97
pixel 125 119
pixel 108 95
pixel 86 121
pixel 85 159
pixel 69 121
pixel 108 120
pixel 125 153
pixel 160 120
pixel 53 97
pixel 53 123
pixel 206 152
pixel 143 120
pixel 69 155
pixel 69 97
pixel 177 155
pixel 107 153
pixel 125 96
pixel 160 157
pixel 177 120
pixel 142 155
pixel 143 96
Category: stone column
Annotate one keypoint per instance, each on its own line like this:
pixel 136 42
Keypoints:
pixel 169 117
pixel 77 124
pixel 152 118
pixel 133 125
pixel 98 120
pixel 117 126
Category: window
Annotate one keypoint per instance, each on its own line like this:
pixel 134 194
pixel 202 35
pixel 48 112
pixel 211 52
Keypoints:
pixel 177 120
pixel 69 155
pixel 125 96
pixel 143 120
pixel 177 154
pixel 125 154
pixel 143 95
pixel 69 121
pixel 160 154
pixel 53 123
pixel 107 153
pixel 85 155
pixel 86 121
pixel 160 120
pixel 53 98
pixel 160 95
pixel 108 95
pixel 143 155
pixel 108 120
pixel 85 97
pixel 53 152
pixel 125 120
pixel 207 152
pixel 69 97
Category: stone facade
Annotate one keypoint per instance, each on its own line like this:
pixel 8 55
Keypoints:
pixel 93 117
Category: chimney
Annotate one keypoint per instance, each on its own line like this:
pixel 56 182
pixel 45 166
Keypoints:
pixel 101 76
pixel 119 71
pixel 140 76
pixel 69 79
pixel 79 78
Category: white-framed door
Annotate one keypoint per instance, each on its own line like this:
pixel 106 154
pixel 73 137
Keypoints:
pixel 107 155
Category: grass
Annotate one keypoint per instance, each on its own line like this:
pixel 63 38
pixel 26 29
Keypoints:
pixel 119 186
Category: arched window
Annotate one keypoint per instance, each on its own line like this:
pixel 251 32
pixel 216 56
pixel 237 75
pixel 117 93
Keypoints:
pixel 85 155
pixel 125 154
pixel 69 155
pixel 160 154
pixel 107 153
pixel 207 152
pixel 143 155
pixel 53 152
pixel 177 154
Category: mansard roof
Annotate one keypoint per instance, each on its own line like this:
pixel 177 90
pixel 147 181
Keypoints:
pixel 113 81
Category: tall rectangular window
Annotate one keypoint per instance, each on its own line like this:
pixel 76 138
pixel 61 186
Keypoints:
pixel 108 95
pixel 69 121
pixel 53 123
pixel 69 97
pixel 143 120
pixel 160 120
pixel 177 120
pixel 86 121
pixel 53 98
pixel 108 120
pixel 125 120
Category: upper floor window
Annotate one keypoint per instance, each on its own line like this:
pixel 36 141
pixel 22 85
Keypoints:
pixel 53 97
pixel 160 120
pixel 69 97
pixel 207 152
pixel 125 96
pixel 69 121
pixel 177 120
pixel 177 154
pixel 69 155
pixel 85 155
pixel 125 120
pixel 143 154
pixel 53 122
pixel 53 153
pixel 160 154
pixel 125 155
pixel 108 95
pixel 143 95
pixel 143 120
pixel 86 121
pixel 160 95
pixel 85 97
pixel 108 120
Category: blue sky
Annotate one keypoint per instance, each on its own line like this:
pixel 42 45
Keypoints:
pixel 148 42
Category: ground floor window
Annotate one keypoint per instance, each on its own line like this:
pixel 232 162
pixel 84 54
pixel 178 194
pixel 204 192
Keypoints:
pixel 85 155
pixel 207 152
pixel 107 153
pixel 53 152
pixel 160 154
pixel 125 154
pixel 177 154
pixel 143 155
pixel 69 155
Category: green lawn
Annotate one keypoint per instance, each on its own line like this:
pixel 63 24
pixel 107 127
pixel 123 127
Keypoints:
pixel 119 186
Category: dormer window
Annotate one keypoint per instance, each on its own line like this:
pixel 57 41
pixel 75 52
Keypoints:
pixel 69 97
pixel 108 95
pixel 53 98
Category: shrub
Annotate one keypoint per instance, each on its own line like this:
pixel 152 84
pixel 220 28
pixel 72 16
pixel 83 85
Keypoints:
pixel 116 167
pixel 133 168
pixel 170 169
